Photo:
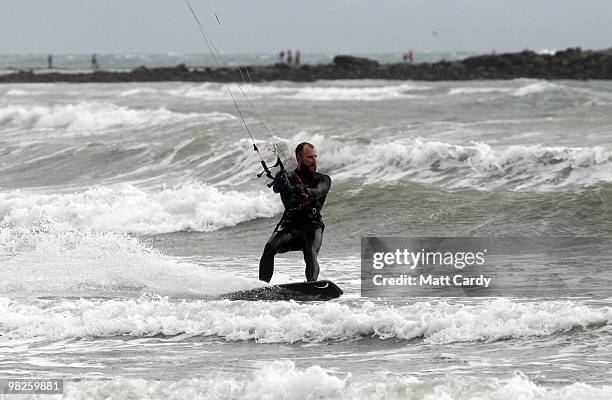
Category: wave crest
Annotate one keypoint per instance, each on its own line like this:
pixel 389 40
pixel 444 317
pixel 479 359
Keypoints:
pixel 289 322
pixel 85 117
pixel 346 92
pixel 50 258
pixel 282 380
pixel 126 208
pixel 479 165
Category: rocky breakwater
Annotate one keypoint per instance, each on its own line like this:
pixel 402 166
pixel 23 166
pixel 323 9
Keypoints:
pixel 567 64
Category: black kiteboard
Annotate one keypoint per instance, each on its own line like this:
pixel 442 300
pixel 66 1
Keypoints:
pixel 301 291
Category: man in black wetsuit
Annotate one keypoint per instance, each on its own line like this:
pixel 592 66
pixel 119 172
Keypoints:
pixel 301 227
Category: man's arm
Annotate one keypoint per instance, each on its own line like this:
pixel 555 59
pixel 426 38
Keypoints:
pixel 321 189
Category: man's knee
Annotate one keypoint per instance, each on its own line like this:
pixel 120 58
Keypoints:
pixel 266 263
pixel 317 240
pixel 311 252
pixel 270 248
pixel 272 244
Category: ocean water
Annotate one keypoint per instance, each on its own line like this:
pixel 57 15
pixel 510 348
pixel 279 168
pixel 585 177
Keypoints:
pixel 127 209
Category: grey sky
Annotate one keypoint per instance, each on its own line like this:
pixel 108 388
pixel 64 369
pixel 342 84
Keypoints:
pixel 154 26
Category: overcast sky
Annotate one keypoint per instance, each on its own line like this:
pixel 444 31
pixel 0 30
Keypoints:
pixel 159 26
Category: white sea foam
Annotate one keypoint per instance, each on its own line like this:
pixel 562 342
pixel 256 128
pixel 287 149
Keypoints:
pixel 138 92
pixel 50 258
pixel 290 322
pixel 348 92
pixel 86 116
pixel 204 91
pixel 535 88
pixel 478 90
pixel 530 87
pixel 282 380
pixel 373 93
pixel 479 165
pixel 19 93
pixel 126 208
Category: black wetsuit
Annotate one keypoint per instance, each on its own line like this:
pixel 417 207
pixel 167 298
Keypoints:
pixel 301 227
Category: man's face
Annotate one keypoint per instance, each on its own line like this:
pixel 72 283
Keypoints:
pixel 307 161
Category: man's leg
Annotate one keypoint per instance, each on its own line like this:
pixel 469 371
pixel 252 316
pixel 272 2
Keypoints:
pixel 311 248
pixel 278 242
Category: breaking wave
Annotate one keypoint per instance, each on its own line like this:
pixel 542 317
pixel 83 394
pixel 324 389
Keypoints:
pixel 524 90
pixel 479 165
pixel 50 258
pixel 84 117
pixel 126 208
pixel 282 380
pixel 347 92
pixel 290 322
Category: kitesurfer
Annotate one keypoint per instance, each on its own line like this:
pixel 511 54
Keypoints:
pixel 303 192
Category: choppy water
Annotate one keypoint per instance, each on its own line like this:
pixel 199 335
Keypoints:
pixel 128 209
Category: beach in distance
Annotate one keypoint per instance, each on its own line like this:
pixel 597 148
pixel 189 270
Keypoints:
pixel 572 63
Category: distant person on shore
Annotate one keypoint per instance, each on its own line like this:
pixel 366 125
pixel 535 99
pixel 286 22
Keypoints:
pixel 50 61
pixel 289 57
pixel 281 57
pixel 298 55
pixel 94 61
pixel 408 56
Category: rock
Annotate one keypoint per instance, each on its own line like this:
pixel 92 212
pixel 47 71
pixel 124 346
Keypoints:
pixel 344 61
pixel 572 63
